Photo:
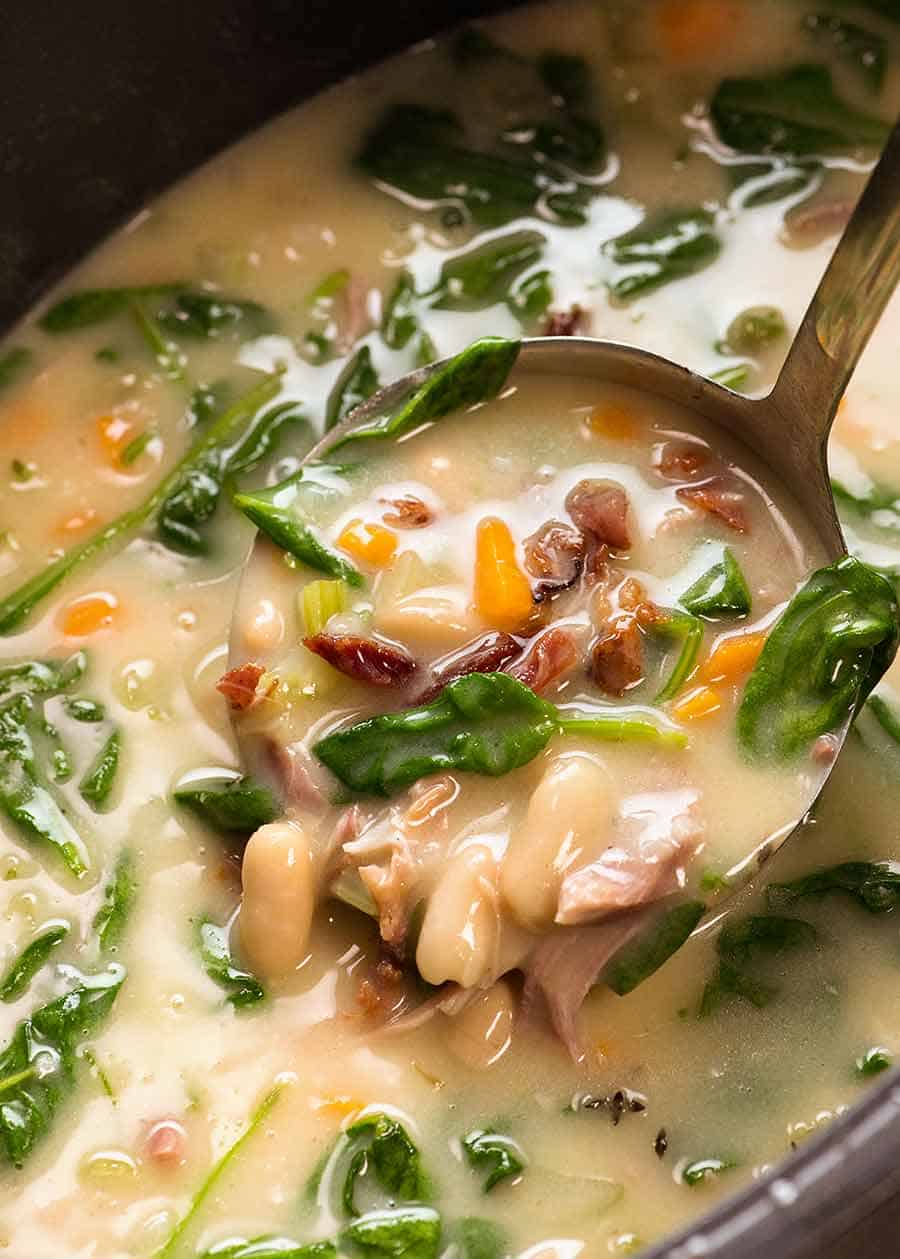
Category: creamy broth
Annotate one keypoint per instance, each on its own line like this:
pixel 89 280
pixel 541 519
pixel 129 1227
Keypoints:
pixel 614 1146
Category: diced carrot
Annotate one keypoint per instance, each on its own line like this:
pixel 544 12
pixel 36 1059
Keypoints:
pixel 370 543
pixel 502 591
pixel 698 704
pixel 79 520
pixel 732 657
pixel 693 30
pixel 114 433
pixel 341 1106
pixel 89 614
pixel 609 419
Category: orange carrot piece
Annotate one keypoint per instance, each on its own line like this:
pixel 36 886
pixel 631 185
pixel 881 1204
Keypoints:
pixel 81 519
pixel 369 543
pixel 502 591
pixel 89 614
pixel 114 433
pixel 732 657
pixel 698 704
pixel 609 419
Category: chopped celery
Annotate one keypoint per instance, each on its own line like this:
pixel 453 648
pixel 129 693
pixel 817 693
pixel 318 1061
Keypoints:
pixel 321 600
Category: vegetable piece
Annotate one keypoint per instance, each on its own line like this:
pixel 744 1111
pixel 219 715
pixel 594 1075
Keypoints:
pixel 613 728
pixel 874 885
pixel 666 246
pixel 732 657
pixel 269 1246
pixel 475 375
pixel 241 987
pixel 369 542
pixel 703 702
pixel 423 153
pixel 400 323
pixel 259 1116
pixel 643 955
pixel 503 595
pixel 494 1152
pixel 480 1239
pixel 381 1147
pixel 12 364
pixel 825 653
pixel 702 1169
pixel 689 631
pixel 529 298
pixel 279 513
pixel 722 591
pixel 23 968
pixel 795 112
pixel 412 1232
pixel 734 378
pixel 755 328
pixel 165 352
pixel 886 716
pixel 118 901
pixel 880 504
pixel 93 306
pixel 873 1062
pixel 744 942
pixel 357 382
pixel 37 1067
pixel 17 605
pixel 133 450
pixel 229 803
pixel 481 276
pixel 98 781
pixel 208 315
pixel 320 601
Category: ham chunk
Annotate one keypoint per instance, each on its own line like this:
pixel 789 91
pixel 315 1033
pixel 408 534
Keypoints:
pixel 617 656
pixel 719 497
pixel 364 659
pixel 554 555
pixel 566 323
pixel 166 1143
pixel 483 655
pixel 240 686
pixel 407 512
pixel 549 657
pixel 600 510
pixel 679 461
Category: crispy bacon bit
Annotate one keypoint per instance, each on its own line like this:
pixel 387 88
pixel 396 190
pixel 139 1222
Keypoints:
pixel 482 655
pixel 718 497
pixel 617 656
pixel 407 512
pixel 550 655
pixel 555 555
pixel 166 1142
pixel 600 510
pixel 679 460
pixel 565 323
pixel 239 685
pixel 382 991
pixel 633 598
pixel 364 659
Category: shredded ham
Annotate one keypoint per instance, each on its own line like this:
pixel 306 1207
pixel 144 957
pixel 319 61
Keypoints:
pixel 554 554
pixel 617 657
pixel 718 497
pixel 680 460
pixel 600 510
pixel 390 887
pixel 356 321
pixel 364 659
pixel 240 686
pixel 565 323
pixel 290 764
pixel 550 655
pixel 407 512
pixel 483 655
pixel 382 991
pixel 615 881
pixel 450 999
pixel 165 1142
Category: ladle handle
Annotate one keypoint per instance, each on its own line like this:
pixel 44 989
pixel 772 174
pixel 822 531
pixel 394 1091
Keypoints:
pixel 862 274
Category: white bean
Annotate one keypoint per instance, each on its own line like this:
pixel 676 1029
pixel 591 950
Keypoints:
pixel 481 1033
pixel 568 816
pixel 279 881
pixel 459 935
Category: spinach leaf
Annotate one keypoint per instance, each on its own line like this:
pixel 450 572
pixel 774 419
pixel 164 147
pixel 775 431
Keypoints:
pixel 208 315
pixel 722 591
pixel 880 504
pixel 479 1239
pixel 357 382
pixel 753 329
pixel 475 375
pixel 381 1146
pixel 485 723
pixel 861 48
pixel 827 650
pixel 874 885
pixel 637 960
pixel 229 802
pixel 616 728
pixel 17 605
pixel 479 277
pixel 399 323
pixel 423 153
pixel 24 967
pixel 88 307
pixel 687 630
pixel 873 1062
pixel 242 987
pixel 494 1152
pixel 885 715
pixel 37 1067
pixel 411 1232
pixel 281 514
pixel 530 297
pixel 762 183
pixel 734 377
pixel 258 1118
pixel 25 796
pixel 12 364
pixel 702 1169
pixel 742 943
pixel 98 782
pixel 269 1247
pixel 795 112
pixel 118 901
pixel 666 246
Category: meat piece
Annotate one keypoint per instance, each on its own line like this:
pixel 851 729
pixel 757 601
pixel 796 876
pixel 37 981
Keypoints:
pixel 165 1142
pixel 618 880
pixel 565 966
pixel 633 598
pixel 718 497
pixel 430 798
pixel 407 512
pixel 390 874
pixel 239 686
pixel 600 510
pixel 382 991
pixel 364 659
pixel 483 655
pixel 808 225
pixel 552 654
pixel 680 460
pixel 617 656
pixel 565 323
pixel 293 768
pixel 554 554
pixel 355 317
pixel 449 999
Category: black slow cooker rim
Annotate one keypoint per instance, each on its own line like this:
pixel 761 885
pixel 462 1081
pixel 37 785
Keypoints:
pixel 67 131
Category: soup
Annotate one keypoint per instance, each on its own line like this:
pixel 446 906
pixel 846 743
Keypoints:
pixel 166 1087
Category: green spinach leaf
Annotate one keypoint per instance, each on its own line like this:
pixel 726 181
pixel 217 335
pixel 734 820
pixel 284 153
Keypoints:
pixel 242 988
pixel 721 591
pixel 88 307
pixel 688 631
pixel 886 716
pixel 23 969
pixel 873 1062
pixel 861 48
pixel 229 802
pixel 647 952
pixel 380 1146
pixel 198 315
pixel 874 885
pixel 119 896
pixel 269 1246
pixel 12 364
pixel 479 1239
pixel 740 945
pixel 412 1232
pixel 356 383
pixel 666 246
pixel 98 781
pixel 495 1153
pixel 482 276
pixel 699 1170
